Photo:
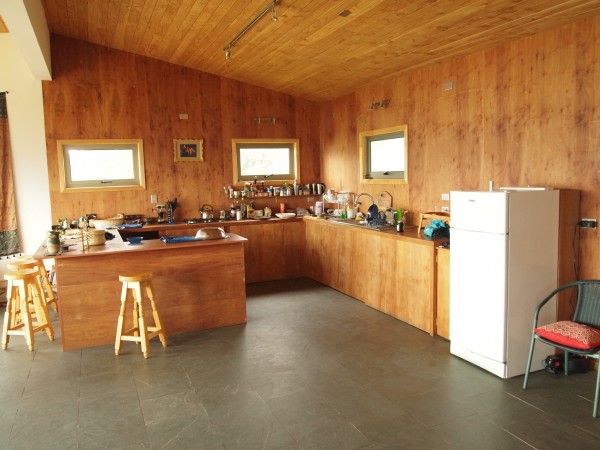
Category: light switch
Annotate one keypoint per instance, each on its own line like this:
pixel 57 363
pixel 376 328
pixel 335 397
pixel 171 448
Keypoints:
pixel 153 199
pixel 445 197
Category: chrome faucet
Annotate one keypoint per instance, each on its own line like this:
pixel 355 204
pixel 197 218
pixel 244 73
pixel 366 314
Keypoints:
pixel 356 202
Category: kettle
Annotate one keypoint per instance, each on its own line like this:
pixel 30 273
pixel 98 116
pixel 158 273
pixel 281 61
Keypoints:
pixel 206 212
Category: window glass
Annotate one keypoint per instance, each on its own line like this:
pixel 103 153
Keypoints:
pixel 263 161
pixel 94 165
pixel 384 154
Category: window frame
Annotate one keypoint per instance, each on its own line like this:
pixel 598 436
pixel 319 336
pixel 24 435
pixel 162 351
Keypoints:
pixel 365 137
pixel 294 148
pixel 67 185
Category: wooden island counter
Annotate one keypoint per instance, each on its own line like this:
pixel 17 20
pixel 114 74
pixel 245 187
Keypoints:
pixel 198 285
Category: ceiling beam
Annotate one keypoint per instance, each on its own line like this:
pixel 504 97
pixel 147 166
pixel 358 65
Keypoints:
pixel 26 22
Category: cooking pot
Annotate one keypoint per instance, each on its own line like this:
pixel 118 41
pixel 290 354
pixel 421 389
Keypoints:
pixel 206 212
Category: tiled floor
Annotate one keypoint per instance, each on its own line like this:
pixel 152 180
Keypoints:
pixel 312 369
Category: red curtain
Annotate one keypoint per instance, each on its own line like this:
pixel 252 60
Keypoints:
pixel 9 239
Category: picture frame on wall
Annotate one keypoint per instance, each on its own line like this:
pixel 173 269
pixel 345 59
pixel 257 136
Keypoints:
pixel 189 149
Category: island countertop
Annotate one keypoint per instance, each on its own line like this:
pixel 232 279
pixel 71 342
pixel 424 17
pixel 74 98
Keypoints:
pixel 197 285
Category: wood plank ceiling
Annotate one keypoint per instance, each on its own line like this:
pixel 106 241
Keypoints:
pixel 311 51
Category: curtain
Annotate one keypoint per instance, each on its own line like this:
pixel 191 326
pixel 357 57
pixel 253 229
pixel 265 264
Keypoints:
pixel 9 239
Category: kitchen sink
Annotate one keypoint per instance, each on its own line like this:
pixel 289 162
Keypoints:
pixel 359 223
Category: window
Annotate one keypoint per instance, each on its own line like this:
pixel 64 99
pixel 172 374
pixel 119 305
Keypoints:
pixel 111 164
pixel 384 155
pixel 272 159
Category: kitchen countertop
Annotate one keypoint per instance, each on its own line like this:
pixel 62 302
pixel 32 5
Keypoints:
pixel 117 245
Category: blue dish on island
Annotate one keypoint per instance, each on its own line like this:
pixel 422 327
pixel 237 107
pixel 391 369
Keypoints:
pixel 135 240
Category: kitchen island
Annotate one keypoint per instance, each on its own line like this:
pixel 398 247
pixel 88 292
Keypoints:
pixel 198 285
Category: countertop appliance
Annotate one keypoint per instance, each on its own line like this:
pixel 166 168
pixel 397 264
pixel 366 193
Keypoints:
pixel 503 262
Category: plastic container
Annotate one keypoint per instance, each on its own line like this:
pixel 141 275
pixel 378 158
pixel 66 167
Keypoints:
pixel 318 208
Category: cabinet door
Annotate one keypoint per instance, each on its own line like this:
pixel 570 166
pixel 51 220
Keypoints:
pixel 410 293
pixel 443 293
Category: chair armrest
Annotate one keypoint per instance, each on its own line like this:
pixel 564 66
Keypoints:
pixel 549 297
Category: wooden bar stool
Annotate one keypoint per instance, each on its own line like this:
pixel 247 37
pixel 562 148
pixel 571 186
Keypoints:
pixel 29 263
pixel 133 285
pixel 23 296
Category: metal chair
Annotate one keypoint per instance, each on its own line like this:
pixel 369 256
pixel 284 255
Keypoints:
pixel 580 335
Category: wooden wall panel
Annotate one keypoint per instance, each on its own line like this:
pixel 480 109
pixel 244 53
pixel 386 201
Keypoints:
pixel 523 113
pixel 103 93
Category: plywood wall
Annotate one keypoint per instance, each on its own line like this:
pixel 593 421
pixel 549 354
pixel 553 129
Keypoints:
pixel 524 113
pixel 102 93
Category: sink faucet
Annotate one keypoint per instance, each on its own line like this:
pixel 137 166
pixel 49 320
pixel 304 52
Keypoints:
pixel 356 202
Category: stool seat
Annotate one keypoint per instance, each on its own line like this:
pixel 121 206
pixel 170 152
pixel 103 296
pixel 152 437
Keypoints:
pixel 140 277
pixel 29 263
pixel 24 301
pixel 134 285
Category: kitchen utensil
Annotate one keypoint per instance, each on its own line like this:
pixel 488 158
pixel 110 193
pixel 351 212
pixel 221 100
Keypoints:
pixel 285 215
pixel 206 212
pixel 211 233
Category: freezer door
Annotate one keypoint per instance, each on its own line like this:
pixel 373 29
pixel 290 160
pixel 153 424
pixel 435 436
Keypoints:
pixel 478 268
pixel 479 211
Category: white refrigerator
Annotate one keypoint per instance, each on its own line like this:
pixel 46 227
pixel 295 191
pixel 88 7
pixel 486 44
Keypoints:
pixel 503 262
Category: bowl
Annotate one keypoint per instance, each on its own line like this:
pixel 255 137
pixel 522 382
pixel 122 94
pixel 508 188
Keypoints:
pixel 285 215
pixel 135 240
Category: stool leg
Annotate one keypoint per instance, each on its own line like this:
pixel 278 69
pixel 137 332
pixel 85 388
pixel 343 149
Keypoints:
pixel 9 314
pixel 137 295
pixel 161 332
pixel 121 321
pixel 136 324
pixel 41 309
pixel 49 296
pixel 26 317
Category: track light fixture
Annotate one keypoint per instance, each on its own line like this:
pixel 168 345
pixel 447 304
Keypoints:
pixel 270 7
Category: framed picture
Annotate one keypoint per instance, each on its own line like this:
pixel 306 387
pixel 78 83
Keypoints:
pixel 189 150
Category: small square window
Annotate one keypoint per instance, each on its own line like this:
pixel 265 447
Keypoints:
pixel 272 159
pixel 384 155
pixel 101 164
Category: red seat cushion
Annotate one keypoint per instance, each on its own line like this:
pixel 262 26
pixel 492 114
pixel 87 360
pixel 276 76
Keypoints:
pixel 571 334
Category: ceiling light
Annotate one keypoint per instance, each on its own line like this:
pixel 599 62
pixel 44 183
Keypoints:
pixel 270 7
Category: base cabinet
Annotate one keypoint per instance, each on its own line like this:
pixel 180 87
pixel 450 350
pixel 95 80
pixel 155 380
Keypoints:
pixel 392 273
pixel 273 251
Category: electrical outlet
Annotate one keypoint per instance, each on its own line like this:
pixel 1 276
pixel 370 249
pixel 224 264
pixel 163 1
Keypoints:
pixel 446 209
pixel 588 223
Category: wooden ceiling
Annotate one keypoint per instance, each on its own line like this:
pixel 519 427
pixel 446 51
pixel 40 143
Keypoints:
pixel 311 51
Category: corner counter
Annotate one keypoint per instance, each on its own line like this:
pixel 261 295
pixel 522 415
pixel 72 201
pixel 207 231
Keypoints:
pixel 392 272
pixel 198 285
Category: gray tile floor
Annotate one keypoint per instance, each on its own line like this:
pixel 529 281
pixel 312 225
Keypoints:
pixel 312 369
